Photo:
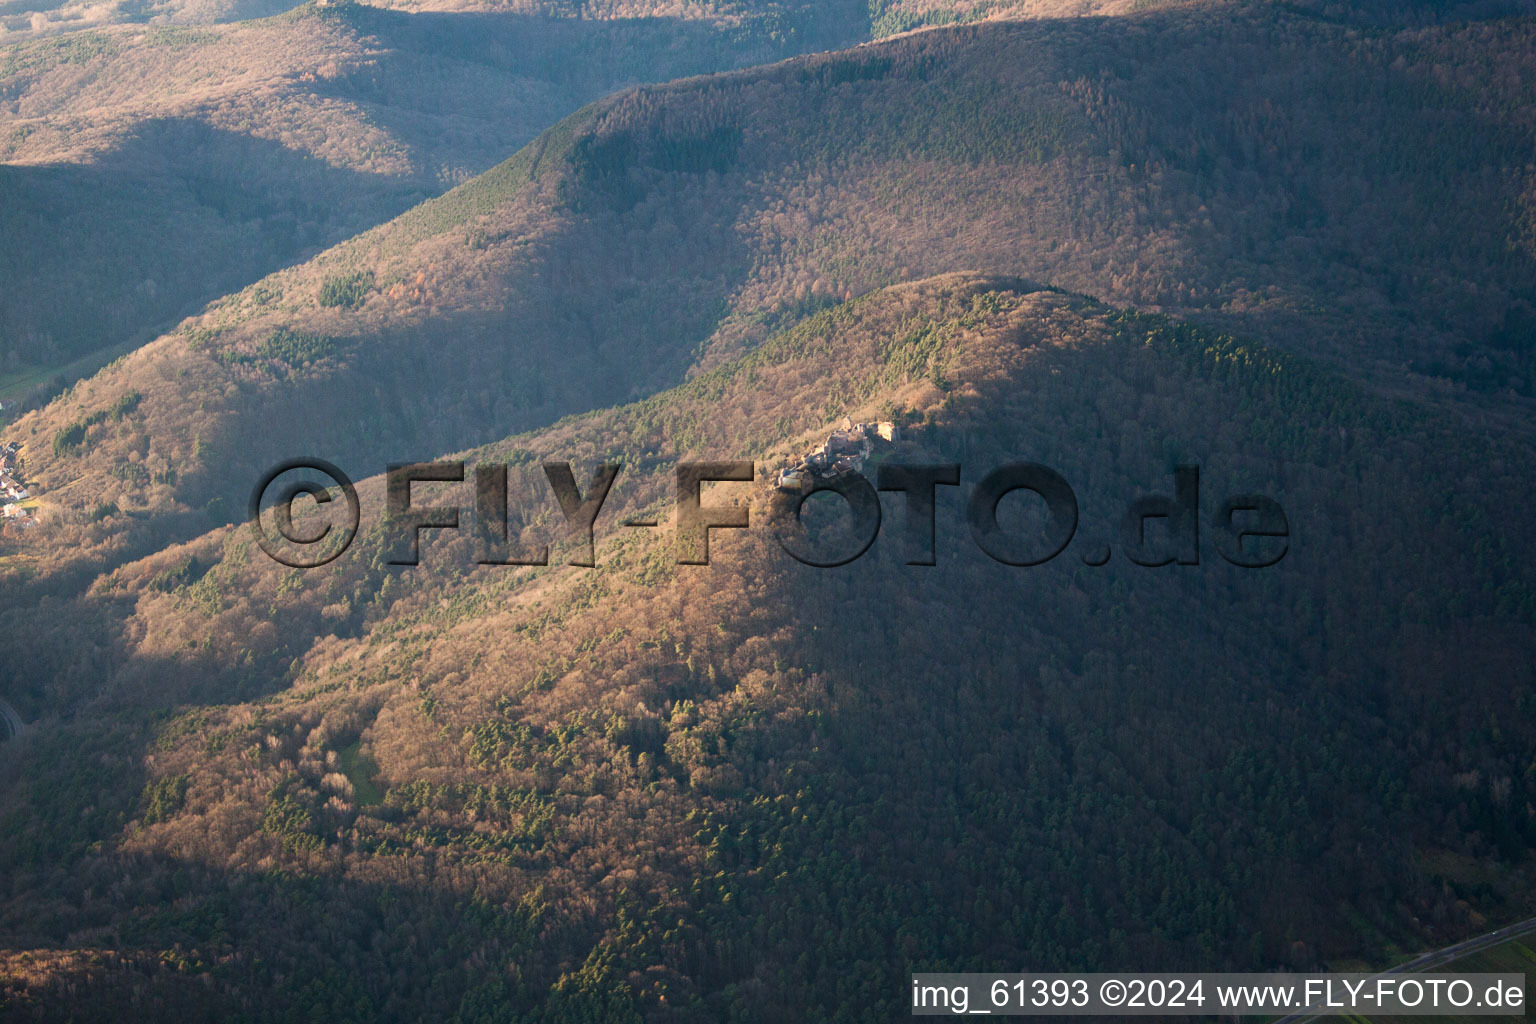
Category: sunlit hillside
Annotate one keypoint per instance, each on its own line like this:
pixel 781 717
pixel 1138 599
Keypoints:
pixel 670 227
pixel 149 169
pixel 640 791
pixel 1248 287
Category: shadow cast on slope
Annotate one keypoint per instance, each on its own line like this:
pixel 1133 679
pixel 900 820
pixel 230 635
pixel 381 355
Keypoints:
pixel 173 217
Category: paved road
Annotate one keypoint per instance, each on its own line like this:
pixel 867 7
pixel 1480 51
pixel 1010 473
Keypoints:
pixel 12 720
pixel 1437 958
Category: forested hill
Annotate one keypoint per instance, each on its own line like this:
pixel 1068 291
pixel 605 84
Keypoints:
pixel 150 169
pixel 757 791
pixel 891 16
pixel 154 164
pixel 1291 244
pixel 1362 197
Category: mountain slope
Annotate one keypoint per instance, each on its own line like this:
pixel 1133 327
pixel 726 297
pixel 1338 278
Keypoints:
pixel 220 153
pixel 888 17
pixel 150 170
pixel 671 227
pixel 663 792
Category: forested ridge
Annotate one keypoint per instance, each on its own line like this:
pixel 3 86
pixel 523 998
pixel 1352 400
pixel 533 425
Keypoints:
pixel 149 169
pixel 1290 244
pixel 760 791
pixel 1359 196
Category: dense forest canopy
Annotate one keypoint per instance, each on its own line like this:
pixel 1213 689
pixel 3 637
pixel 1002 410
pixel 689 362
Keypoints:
pixel 1289 244
pixel 668 228
pixel 149 169
pixel 641 791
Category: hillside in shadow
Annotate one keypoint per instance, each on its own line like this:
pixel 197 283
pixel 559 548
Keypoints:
pixel 670 228
pixel 168 166
pixel 699 784
pixel 169 219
